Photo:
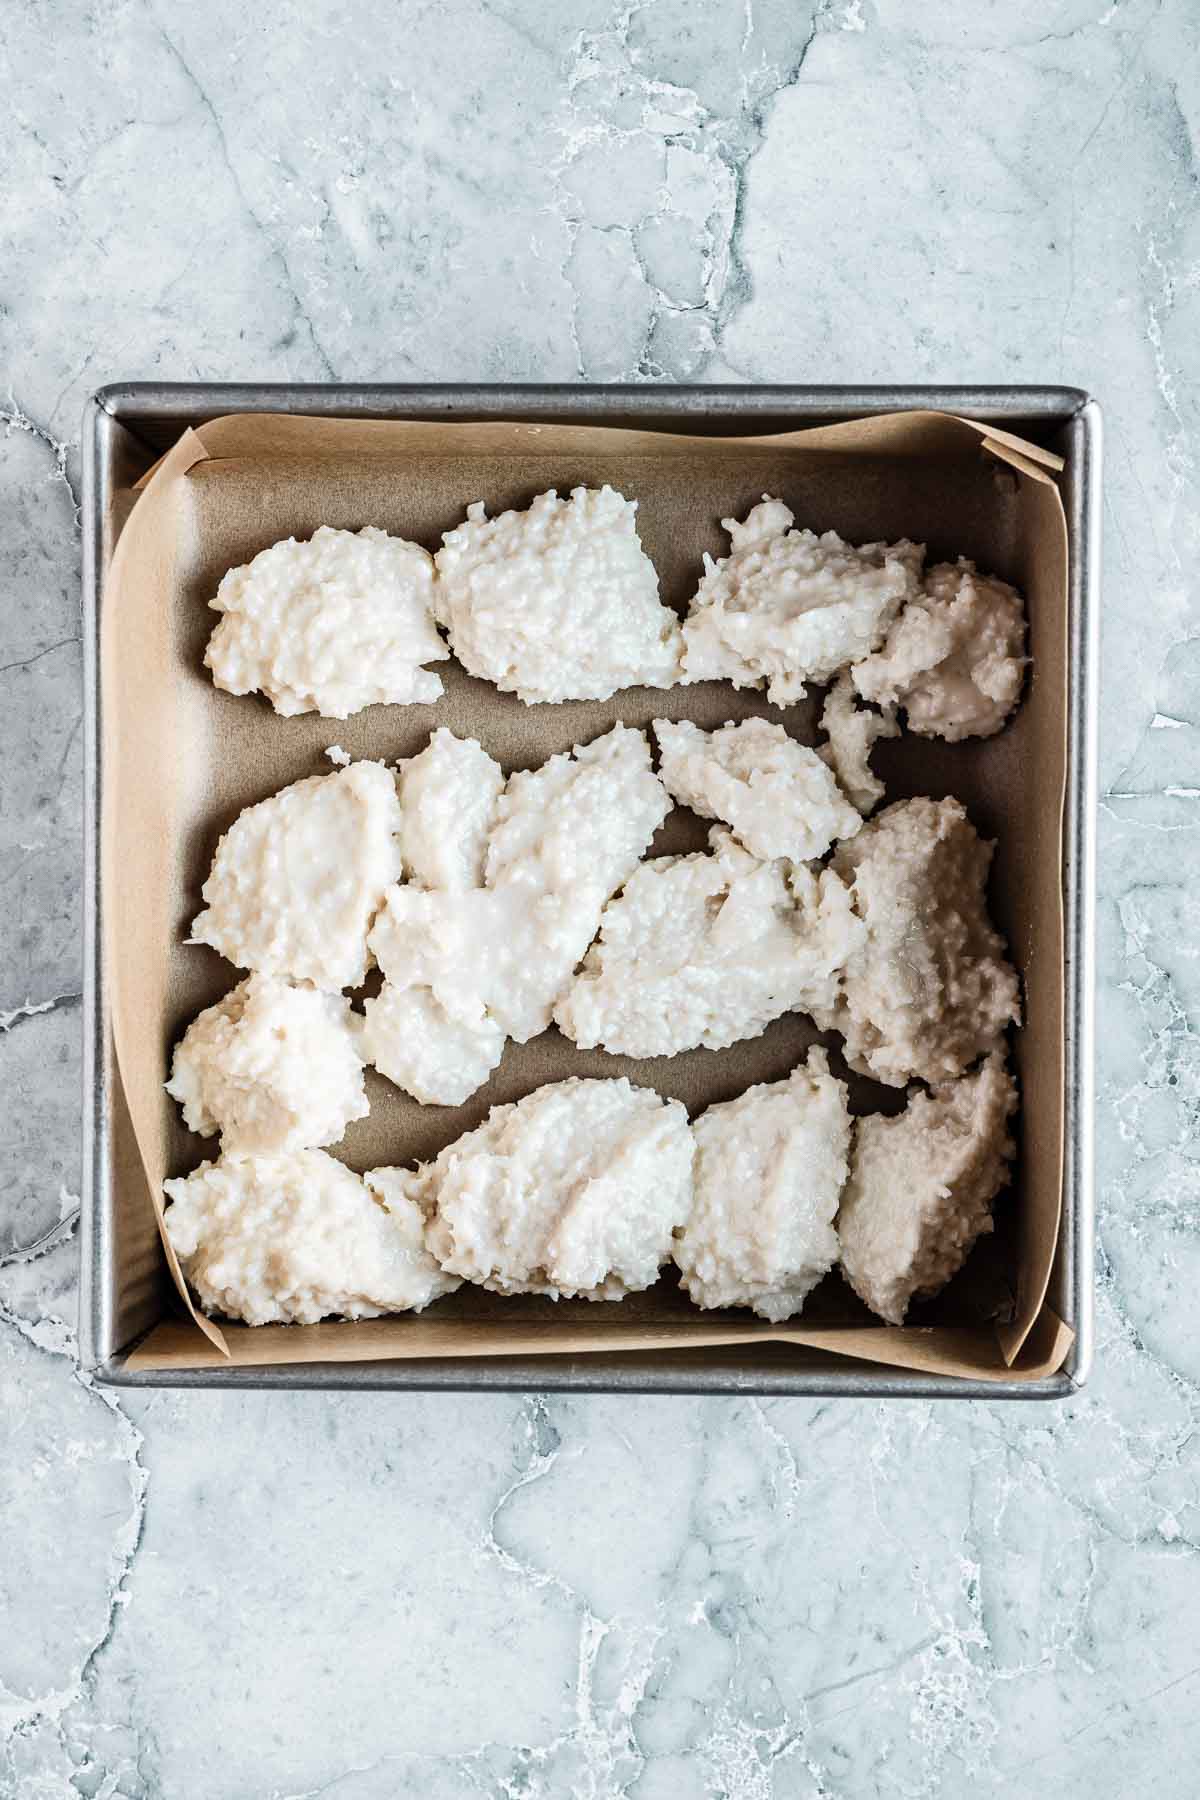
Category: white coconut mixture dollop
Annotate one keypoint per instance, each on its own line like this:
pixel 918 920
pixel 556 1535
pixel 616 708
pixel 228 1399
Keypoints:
pixel 708 949
pixel 488 962
pixel 559 602
pixel 448 796
pixel 576 1190
pixel 298 878
pixel 330 625
pixel 273 1066
pixel 787 607
pixel 770 1168
pixel 297 1237
pixel 777 796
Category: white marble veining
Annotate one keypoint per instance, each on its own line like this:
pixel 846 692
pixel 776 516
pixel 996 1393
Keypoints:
pixel 365 1597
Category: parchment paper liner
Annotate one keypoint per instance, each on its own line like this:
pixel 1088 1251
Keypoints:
pixel 180 760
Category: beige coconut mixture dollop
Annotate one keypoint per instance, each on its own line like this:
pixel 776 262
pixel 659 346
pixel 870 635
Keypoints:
pixel 954 659
pixel 853 731
pixel 921 1188
pixel 927 987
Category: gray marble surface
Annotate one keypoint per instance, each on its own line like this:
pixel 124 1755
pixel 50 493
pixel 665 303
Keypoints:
pixel 367 1597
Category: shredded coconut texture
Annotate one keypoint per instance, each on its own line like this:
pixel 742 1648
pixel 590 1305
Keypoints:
pixel 448 796
pixel 575 1191
pixel 576 826
pixel 557 603
pixel 469 950
pixel 921 1188
pixel 777 796
pixel 852 731
pixel 342 621
pixel 928 988
pixel 436 1052
pixel 297 1237
pixel 769 1172
pixel 489 962
pixel 954 659
pixel 271 1067
pixel 297 879
pixel 706 950
pixel 788 607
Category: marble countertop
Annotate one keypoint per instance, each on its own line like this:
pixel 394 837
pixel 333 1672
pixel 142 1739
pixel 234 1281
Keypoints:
pixel 381 1596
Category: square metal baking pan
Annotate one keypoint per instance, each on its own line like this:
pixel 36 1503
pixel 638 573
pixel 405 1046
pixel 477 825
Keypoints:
pixel 127 427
